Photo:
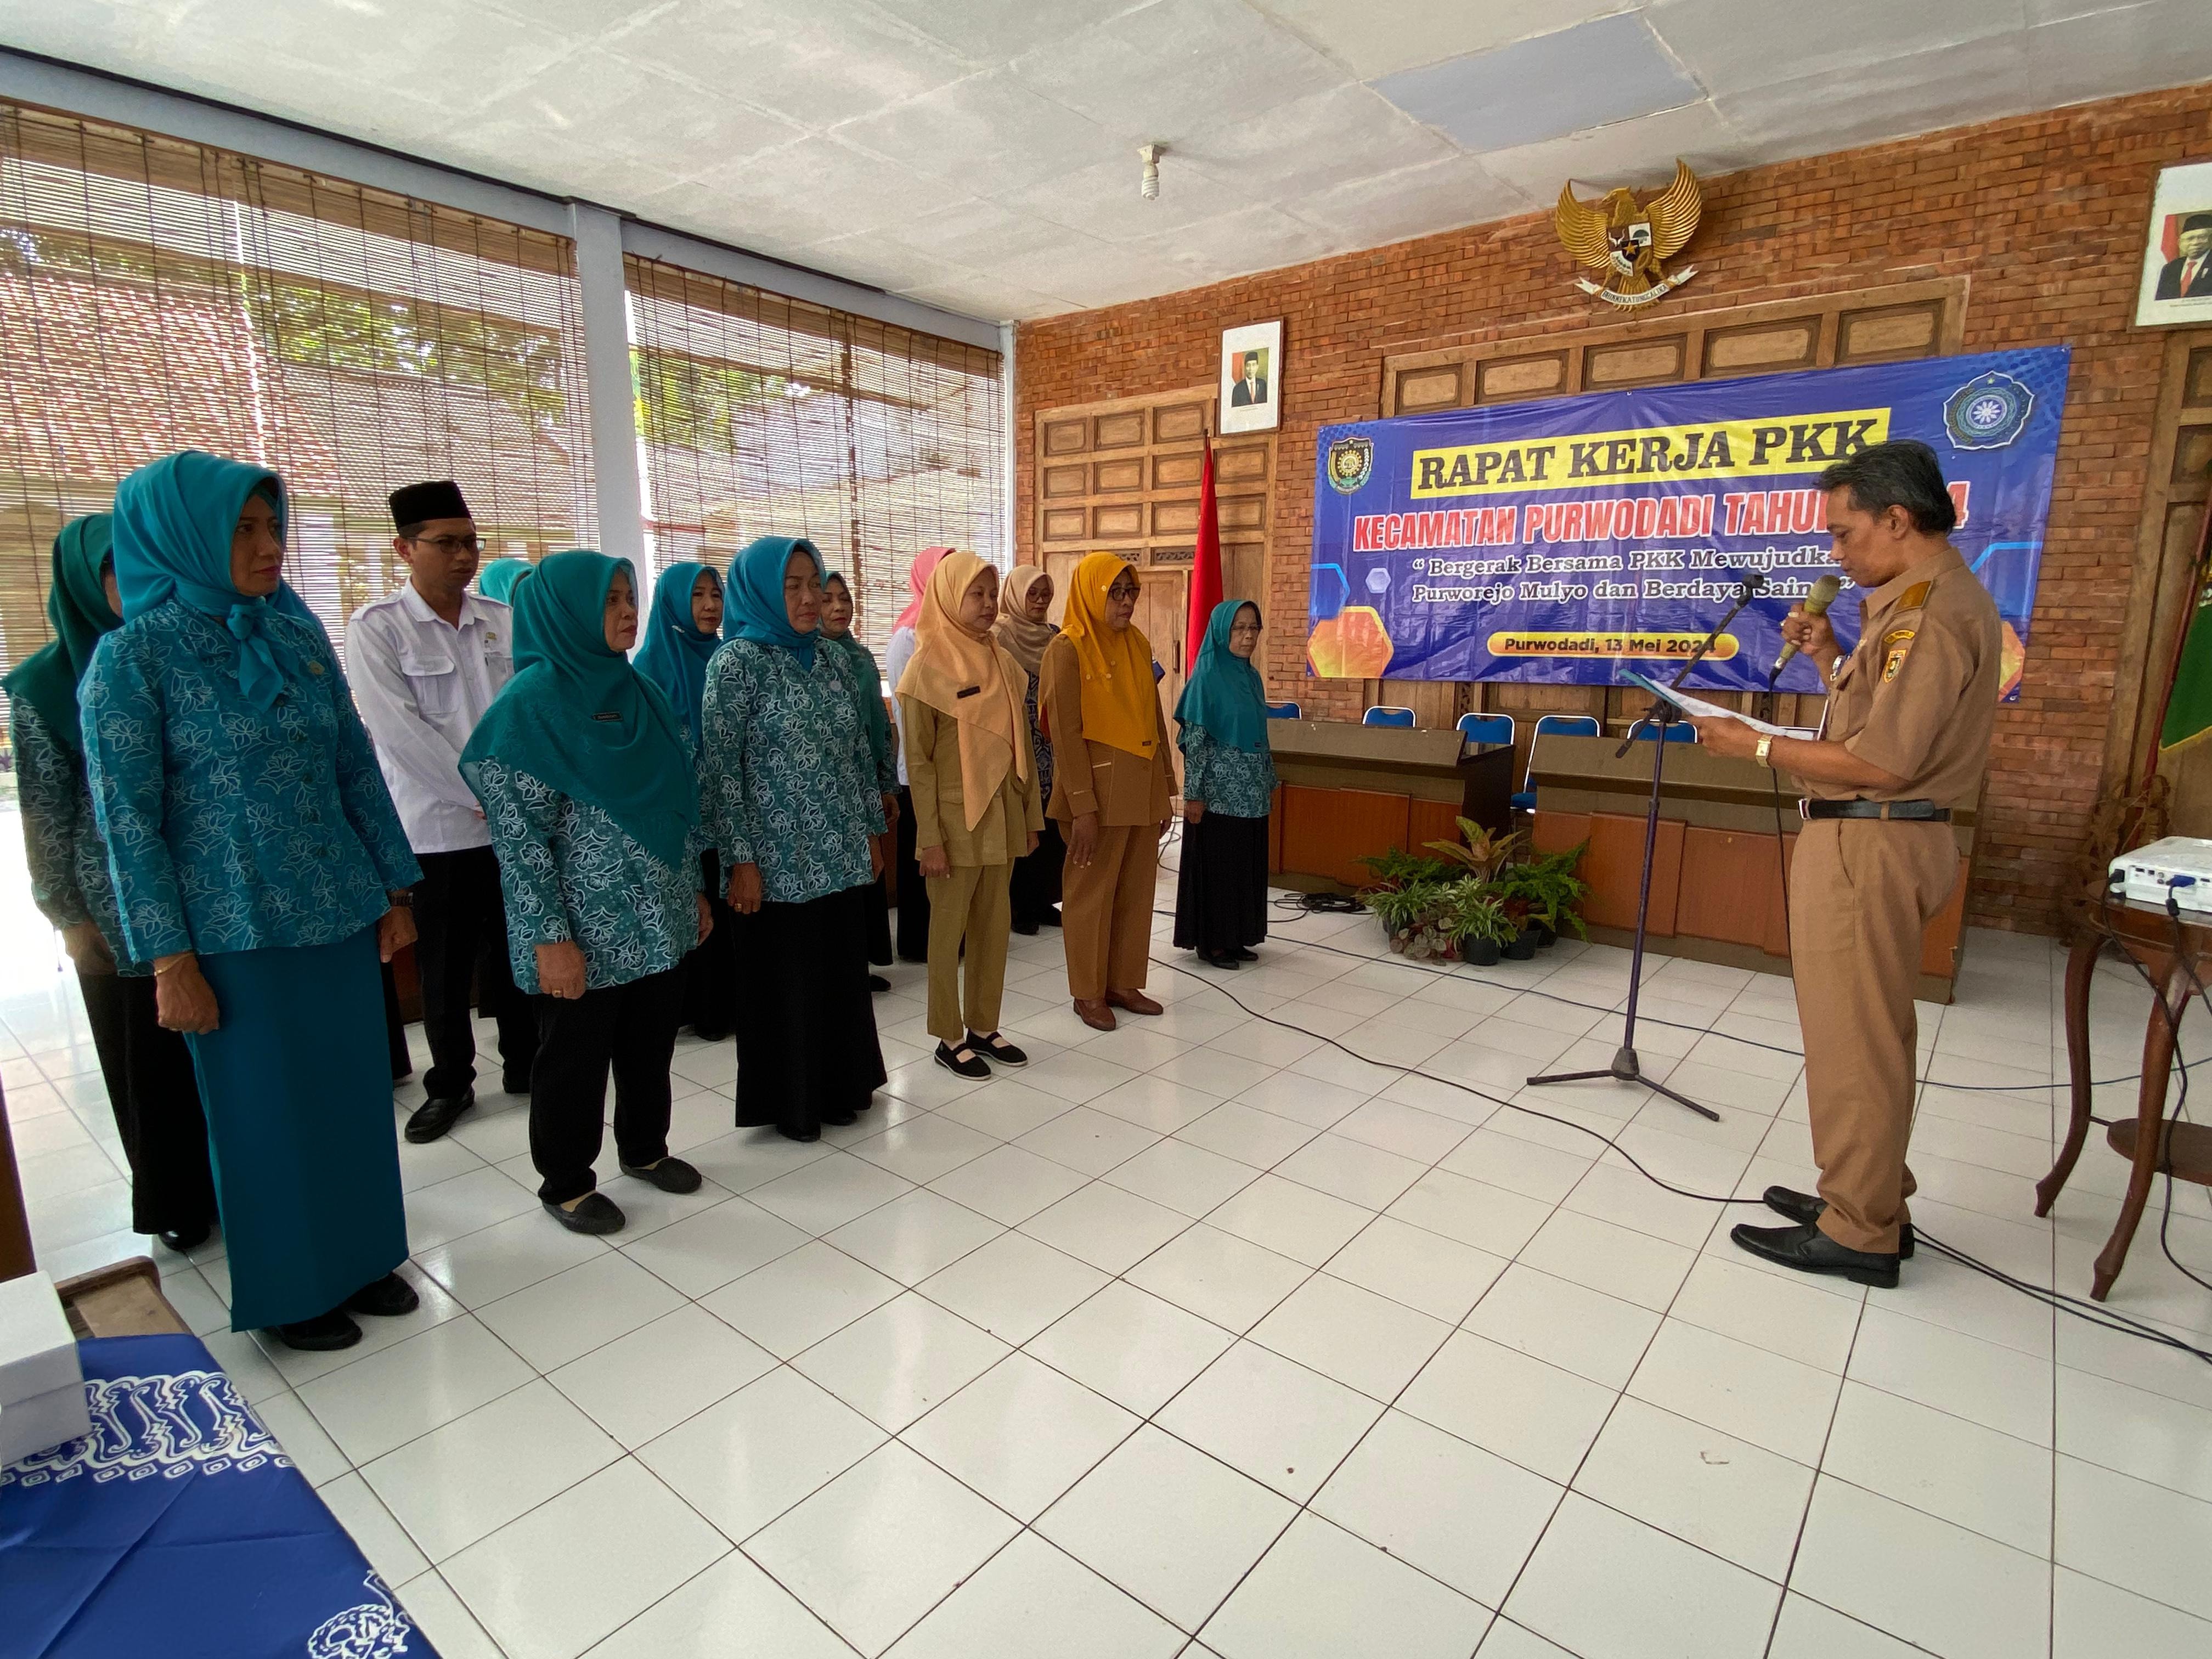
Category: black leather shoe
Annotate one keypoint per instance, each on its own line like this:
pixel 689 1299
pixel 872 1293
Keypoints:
pixel 323 1333
pixel 671 1175
pixel 997 1048
pixel 839 1119
pixel 1806 1209
pixel 1243 955
pixel 804 1134
pixel 181 1239
pixel 963 1061
pixel 515 1083
pixel 387 1299
pixel 1227 959
pixel 596 1214
pixel 1051 918
pixel 877 984
pixel 1026 927
pixel 433 1117
pixel 1809 1250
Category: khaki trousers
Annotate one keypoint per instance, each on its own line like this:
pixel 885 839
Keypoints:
pixel 1861 891
pixel 1106 911
pixel 969 904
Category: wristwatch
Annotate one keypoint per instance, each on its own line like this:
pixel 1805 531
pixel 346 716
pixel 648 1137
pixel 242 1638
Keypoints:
pixel 1760 753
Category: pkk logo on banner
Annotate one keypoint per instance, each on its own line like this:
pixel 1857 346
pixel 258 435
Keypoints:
pixel 1557 541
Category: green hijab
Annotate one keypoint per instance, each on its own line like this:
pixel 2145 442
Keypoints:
pixel 499 579
pixel 868 678
pixel 1225 693
pixel 78 612
pixel 577 717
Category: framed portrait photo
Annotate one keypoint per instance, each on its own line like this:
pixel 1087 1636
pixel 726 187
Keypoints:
pixel 1252 377
pixel 2177 271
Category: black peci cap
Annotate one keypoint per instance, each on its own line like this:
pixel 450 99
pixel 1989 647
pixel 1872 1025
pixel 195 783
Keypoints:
pixel 420 503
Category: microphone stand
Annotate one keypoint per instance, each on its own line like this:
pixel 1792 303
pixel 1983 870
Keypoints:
pixel 1626 1067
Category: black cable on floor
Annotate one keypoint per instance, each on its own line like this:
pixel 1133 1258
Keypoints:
pixel 2090 1312
pixel 1342 906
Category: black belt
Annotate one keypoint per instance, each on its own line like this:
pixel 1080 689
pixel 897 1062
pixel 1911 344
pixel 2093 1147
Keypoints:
pixel 1923 811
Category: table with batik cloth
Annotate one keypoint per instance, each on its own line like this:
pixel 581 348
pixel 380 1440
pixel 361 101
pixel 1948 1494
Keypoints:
pixel 178 1527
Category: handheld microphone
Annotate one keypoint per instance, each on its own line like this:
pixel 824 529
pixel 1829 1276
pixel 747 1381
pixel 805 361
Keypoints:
pixel 1816 604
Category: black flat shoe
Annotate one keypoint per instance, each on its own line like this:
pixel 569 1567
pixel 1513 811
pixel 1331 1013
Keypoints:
pixel 878 984
pixel 1000 1051
pixel 1809 1250
pixel 1027 929
pixel 1805 1209
pixel 1243 955
pixel 839 1119
pixel 515 1083
pixel 597 1213
pixel 181 1239
pixel 323 1333
pixel 963 1061
pixel 387 1299
pixel 812 1132
pixel 709 1034
pixel 1220 959
pixel 1051 918
pixel 433 1117
pixel 671 1175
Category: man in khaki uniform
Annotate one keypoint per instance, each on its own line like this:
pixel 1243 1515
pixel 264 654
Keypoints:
pixel 1904 743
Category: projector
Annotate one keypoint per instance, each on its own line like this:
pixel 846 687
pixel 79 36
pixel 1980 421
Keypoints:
pixel 2180 864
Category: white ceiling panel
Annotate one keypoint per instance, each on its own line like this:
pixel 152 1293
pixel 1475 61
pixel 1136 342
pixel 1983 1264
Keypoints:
pixel 986 132
pixel 1381 37
pixel 982 154
pixel 1149 72
pixel 1310 144
pixel 1639 154
pixel 1734 48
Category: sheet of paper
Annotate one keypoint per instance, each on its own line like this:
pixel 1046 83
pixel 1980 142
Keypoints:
pixel 1703 710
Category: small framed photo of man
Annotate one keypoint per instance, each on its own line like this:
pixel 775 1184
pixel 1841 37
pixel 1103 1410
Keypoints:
pixel 2177 273
pixel 1252 377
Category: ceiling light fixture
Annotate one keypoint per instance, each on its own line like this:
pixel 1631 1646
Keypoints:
pixel 1152 154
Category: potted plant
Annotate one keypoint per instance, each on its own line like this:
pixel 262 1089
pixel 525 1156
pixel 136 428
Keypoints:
pixel 1411 916
pixel 1549 893
pixel 1473 917
pixel 1480 853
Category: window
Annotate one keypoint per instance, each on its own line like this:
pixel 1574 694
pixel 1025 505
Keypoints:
pixel 157 295
pixel 758 416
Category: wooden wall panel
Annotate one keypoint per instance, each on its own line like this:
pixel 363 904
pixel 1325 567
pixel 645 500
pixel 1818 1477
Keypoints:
pixel 1613 868
pixel 1326 830
pixel 1430 820
pixel 1731 887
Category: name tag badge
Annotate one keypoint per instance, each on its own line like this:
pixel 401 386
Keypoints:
pixel 607 714
pixel 972 691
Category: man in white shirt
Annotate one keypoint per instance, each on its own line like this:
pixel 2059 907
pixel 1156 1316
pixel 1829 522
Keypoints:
pixel 425 661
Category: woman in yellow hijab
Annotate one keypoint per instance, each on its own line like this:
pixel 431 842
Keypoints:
pixel 973 780
pixel 1112 782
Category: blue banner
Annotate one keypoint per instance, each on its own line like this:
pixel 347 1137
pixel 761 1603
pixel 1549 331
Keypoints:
pixel 1557 541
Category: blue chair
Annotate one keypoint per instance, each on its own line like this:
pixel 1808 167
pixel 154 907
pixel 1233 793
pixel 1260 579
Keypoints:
pixel 1486 728
pixel 1677 731
pixel 1284 711
pixel 1383 715
pixel 1566 725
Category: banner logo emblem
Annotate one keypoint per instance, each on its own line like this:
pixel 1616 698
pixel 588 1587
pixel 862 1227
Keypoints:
pixel 1988 412
pixel 1351 465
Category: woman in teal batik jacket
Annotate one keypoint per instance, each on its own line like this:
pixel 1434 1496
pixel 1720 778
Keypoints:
pixel 788 790
pixel 588 787
pixel 148 1071
pixel 260 867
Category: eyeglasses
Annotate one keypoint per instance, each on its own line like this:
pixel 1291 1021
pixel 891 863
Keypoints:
pixel 450 544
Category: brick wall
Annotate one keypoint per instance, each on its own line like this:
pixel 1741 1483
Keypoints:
pixel 2044 214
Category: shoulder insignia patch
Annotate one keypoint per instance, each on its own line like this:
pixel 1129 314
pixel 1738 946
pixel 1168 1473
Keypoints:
pixel 1915 596
pixel 1895 648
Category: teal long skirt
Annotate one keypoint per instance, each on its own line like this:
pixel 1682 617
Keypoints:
pixel 297 1084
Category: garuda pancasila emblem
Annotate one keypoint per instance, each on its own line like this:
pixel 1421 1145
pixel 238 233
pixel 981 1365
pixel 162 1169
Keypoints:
pixel 1628 242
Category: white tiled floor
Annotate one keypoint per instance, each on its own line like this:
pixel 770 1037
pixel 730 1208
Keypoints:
pixel 1204 1338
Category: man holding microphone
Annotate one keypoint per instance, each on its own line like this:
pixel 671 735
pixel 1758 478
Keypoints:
pixel 1904 743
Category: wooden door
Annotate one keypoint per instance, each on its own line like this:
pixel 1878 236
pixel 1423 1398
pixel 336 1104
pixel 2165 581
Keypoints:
pixel 1162 599
pixel 2162 594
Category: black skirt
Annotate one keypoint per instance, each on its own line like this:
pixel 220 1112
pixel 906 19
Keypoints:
pixel 1221 892
pixel 710 990
pixel 806 1023
pixel 155 1096
pixel 912 894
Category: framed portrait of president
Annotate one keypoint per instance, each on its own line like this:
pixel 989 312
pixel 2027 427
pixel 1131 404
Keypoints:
pixel 2177 270
pixel 1252 377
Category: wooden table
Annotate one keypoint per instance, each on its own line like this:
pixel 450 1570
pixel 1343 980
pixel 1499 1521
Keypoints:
pixel 2176 962
pixel 1349 789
